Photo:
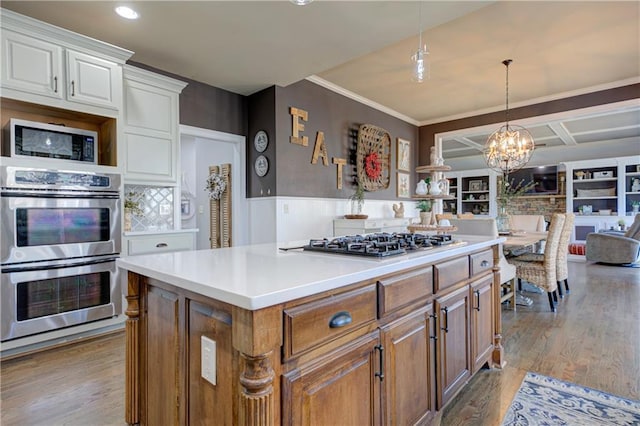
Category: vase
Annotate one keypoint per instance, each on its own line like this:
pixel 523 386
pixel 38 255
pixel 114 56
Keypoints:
pixel 127 219
pixel 425 218
pixel 356 206
pixel 634 209
pixel 503 221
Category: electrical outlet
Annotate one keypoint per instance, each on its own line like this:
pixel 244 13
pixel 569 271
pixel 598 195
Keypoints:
pixel 208 359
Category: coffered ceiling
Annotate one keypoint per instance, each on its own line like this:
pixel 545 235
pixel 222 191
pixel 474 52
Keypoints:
pixel 362 48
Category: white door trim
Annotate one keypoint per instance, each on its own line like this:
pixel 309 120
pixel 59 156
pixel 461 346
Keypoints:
pixel 240 216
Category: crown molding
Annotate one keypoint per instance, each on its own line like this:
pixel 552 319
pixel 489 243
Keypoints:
pixel 361 99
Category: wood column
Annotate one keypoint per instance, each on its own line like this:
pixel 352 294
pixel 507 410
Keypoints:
pixel 132 354
pixel 498 350
pixel 257 335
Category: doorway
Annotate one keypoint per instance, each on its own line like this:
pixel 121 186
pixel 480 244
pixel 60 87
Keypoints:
pixel 199 149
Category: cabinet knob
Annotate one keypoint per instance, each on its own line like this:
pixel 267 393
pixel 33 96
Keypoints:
pixel 484 263
pixel 340 319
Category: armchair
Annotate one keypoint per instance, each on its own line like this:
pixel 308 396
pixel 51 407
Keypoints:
pixel 616 249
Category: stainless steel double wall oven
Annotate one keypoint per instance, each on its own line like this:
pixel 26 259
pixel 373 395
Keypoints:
pixel 60 237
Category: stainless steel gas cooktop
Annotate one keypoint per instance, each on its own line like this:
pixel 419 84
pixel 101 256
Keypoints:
pixel 379 244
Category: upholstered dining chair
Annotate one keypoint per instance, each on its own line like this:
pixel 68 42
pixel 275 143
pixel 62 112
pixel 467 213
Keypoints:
pixel 488 227
pixel 543 273
pixel 562 267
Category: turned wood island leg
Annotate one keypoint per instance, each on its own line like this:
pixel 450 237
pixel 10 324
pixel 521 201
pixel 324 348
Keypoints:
pixel 257 399
pixel 257 335
pixel 132 329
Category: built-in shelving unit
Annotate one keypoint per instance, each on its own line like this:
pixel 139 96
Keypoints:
pixel 600 192
pixel 474 191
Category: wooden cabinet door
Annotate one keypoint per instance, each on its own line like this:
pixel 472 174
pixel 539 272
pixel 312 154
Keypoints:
pixel 340 388
pixel 409 380
pixel 93 81
pixel 482 323
pixel 454 352
pixel 161 375
pixel 31 65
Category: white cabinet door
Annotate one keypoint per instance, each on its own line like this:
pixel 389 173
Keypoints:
pixel 93 81
pixel 150 127
pixel 32 65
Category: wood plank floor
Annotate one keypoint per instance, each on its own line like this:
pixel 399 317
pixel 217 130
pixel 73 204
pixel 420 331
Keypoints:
pixel 593 340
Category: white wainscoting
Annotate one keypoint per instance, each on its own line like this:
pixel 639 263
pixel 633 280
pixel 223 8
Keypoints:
pixel 290 219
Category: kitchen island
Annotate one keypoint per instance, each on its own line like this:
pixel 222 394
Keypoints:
pixel 257 335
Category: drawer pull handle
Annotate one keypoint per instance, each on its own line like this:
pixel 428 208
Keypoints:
pixel 484 263
pixel 340 319
pixel 161 245
pixel 381 373
pixel 446 319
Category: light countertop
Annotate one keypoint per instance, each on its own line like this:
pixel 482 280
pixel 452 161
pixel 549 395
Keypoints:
pixel 258 276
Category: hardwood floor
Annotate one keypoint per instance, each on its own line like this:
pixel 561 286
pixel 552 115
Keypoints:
pixel 593 340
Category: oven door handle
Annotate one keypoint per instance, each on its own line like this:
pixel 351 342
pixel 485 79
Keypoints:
pixel 58 194
pixel 56 265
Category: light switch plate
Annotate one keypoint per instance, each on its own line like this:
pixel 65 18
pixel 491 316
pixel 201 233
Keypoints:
pixel 208 359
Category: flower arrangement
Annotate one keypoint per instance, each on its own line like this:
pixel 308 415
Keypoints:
pixel 215 186
pixel 372 166
pixel 132 203
pixel 508 190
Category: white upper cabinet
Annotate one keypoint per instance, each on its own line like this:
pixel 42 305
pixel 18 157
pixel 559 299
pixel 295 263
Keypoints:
pixel 93 81
pixel 47 65
pixel 31 65
pixel 151 118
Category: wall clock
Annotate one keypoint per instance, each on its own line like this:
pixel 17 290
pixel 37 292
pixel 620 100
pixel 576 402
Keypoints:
pixel 261 166
pixel 260 141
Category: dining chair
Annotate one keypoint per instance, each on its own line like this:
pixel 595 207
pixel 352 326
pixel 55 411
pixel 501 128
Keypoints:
pixel 543 273
pixel 467 215
pixel 562 258
pixel 488 227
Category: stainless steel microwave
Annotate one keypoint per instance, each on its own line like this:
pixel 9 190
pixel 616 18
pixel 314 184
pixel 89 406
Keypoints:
pixel 34 139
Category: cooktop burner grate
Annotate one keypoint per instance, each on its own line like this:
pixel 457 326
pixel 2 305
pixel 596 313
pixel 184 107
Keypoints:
pixel 379 244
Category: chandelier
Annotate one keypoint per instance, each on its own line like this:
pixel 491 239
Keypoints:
pixel 420 68
pixel 510 147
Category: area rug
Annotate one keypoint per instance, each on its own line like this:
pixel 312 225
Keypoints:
pixel 546 401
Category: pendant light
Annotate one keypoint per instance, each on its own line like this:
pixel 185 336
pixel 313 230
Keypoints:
pixel 510 147
pixel 420 64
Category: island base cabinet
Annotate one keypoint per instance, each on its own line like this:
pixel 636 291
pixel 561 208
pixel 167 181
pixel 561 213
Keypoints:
pixel 340 388
pixel 454 352
pixel 171 388
pixel 409 380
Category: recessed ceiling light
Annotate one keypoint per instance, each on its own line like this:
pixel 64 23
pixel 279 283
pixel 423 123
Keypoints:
pixel 127 12
pixel 301 2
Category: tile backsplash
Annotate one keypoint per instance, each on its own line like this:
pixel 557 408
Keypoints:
pixel 156 206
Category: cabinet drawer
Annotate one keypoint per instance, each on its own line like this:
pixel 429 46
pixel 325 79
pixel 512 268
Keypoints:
pixel 160 243
pixel 322 320
pixel 482 261
pixel 451 272
pixel 401 290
